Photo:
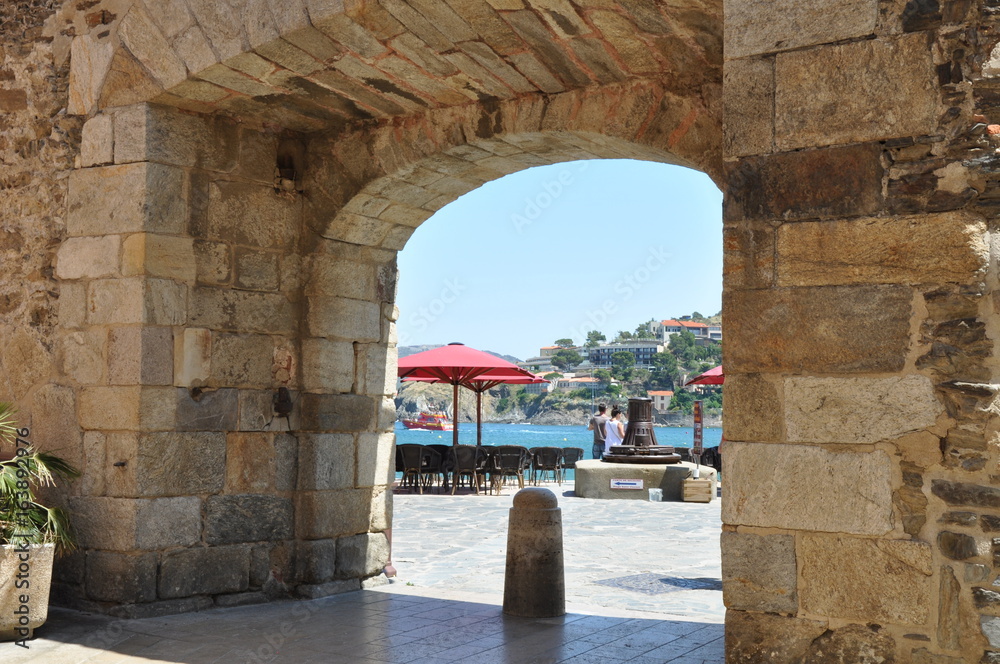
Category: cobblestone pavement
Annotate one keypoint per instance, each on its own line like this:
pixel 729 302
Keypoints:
pixel 641 582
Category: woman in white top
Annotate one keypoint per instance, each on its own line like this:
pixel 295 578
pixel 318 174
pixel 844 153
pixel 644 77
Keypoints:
pixel 614 430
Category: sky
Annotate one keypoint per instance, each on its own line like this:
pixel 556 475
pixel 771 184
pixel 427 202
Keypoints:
pixel 553 251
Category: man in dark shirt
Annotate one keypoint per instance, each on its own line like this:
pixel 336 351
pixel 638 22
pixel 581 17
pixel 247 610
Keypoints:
pixel 596 425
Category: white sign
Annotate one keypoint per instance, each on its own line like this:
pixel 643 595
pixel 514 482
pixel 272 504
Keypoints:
pixel 626 484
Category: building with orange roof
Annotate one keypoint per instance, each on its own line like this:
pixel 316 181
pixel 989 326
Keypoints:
pixel 661 399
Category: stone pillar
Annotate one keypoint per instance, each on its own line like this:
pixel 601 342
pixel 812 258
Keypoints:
pixel 184 314
pixel 534 583
pixel 857 303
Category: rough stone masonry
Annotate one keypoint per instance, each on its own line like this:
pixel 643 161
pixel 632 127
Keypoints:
pixel 202 200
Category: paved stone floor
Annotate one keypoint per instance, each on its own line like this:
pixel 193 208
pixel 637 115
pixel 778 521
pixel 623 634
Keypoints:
pixel 661 605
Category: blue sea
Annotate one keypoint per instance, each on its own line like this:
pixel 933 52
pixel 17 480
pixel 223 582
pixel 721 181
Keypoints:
pixel 530 435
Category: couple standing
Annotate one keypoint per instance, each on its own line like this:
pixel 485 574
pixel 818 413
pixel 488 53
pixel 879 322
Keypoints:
pixel 607 431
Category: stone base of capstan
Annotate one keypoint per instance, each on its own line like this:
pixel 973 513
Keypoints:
pixel 632 481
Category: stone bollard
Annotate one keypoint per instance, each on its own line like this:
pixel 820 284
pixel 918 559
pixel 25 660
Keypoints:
pixel 535 584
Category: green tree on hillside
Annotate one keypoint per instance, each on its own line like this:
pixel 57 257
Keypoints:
pixel 565 343
pixel 594 339
pixel 666 373
pixel 621 364
pixel 566 359
pixel 623 335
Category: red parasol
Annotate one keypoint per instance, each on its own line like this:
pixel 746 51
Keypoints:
pixel 483 383
pixel 713 376
pixel 457 364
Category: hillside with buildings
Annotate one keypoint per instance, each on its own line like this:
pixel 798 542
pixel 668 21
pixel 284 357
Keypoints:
pixel 654 360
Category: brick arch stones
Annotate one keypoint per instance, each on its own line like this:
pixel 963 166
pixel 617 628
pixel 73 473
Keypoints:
pixel 243 179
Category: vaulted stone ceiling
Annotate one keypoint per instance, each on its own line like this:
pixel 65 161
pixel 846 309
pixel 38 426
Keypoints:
pixel 311 65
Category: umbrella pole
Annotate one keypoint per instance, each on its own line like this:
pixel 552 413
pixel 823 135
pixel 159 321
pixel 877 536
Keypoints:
pixel 454 406
pixel 479 417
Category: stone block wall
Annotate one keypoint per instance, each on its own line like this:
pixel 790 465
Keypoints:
pixel 860 278
pixel 183 284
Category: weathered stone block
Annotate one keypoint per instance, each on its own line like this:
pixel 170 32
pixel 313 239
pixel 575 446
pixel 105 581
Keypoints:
pixel 759 573
pixel 326 461
pixel 248 214
pixel 211 410
pixel 172 464
pixel 165 256
pixel 246 311
pixel 165 302
pixel 97 141
pixel 361 555
pixel 376 455
pixel 260 462
pixel 121 577
pixel 158 408
pixel 748 91
pixel 242 360
pixel 748 255
pixel 129 198
pixel 352 320
pixel 753 408
pixel 204 571
pixel 316 560
pixel 90 61
pixel 256 270
pixel 324 514
pixel 753 638
pixel 72 304
pixel 257 410
pixel 835 410
pixel 332 275
pixel 327 366
pixel 376 371
pixel 247 518
pixel 142 38
pixel 759 26
pixel 380 509
pixel 763 481
pixel 109 408
pixel 88 257
pixel 140 356
pixel 797 185
pixel 116 301
pixel 127 524
pixel 837 329
pixel 54 426
pixel 811 108
pixel 213 263
pixel 853 643
pixel 337 412
pixel 866 579
pixel 192 357
pixel 940 248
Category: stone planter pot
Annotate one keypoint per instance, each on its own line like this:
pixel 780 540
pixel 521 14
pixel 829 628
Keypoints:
pixel 24 608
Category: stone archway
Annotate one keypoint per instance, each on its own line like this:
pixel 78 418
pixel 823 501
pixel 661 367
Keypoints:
pixel 232 166
pixel 232 230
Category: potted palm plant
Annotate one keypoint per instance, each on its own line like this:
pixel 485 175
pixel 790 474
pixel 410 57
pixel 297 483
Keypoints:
pixel 31 534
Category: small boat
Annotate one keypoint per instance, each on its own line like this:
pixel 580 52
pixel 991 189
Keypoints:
pixel 430 421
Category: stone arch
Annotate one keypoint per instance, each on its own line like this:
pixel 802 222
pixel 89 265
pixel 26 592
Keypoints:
pixel 860 280
pixel 221 245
